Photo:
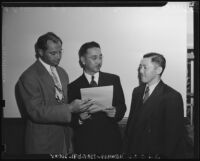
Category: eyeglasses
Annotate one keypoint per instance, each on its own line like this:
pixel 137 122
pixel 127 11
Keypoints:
pixel 53 53
pixel 94 57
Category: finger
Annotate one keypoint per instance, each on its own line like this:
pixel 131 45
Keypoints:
pixel 85 100
pixel 88 116
pixel 86 105
pixel 94 110
pixel 110 108
pixel 93 107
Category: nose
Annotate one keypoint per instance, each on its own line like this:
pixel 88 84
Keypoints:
pixel 141 70
pixel 58 55
pixel 97 61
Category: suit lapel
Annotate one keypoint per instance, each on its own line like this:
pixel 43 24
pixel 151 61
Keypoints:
pixel 44 74
pixel 140 98
pixel 104 80
pixel 137 106
pixel 101 79
pixel 84 82
pixel 149 106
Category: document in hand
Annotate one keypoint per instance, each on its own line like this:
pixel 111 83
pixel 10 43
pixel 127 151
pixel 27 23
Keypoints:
pixel 103 94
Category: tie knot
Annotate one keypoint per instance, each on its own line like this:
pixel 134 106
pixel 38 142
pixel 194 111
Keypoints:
pixel 147 89
pixel 92 78
pixel 93 83
pixel 53 69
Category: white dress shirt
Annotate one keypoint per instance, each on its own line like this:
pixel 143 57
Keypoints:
pixel 48 68
pixel 151 87
pixel 89 77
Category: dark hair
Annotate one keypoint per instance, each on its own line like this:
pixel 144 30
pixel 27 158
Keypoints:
pixel 42 42
pixel 83 49
pixel 157 58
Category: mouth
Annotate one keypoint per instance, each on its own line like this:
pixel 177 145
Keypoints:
pixel 57 61
pixel 98 66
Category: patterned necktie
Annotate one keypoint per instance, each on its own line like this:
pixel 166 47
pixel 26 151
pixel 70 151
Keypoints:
pixel 93 83
pixel 146 94
pixel 58 87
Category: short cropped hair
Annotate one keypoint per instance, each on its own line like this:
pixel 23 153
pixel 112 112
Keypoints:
pixel 158 59
pixel 83 49
pixel 42 42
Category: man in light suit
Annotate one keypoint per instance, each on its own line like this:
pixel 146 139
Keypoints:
pixel 155 124
pixel 41 94
pixel 96 131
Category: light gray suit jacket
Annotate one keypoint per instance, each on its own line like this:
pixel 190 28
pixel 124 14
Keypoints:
pixel 47 120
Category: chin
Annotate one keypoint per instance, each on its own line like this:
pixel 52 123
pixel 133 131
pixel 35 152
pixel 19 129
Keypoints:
pixel 56 64
pixel 143 81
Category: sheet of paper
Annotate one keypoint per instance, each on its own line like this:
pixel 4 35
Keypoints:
pixel 103 94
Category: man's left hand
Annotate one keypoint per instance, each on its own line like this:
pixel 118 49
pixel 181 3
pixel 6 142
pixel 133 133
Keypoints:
pixel 111 111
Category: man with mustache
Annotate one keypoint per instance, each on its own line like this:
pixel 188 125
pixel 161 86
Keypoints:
pixel 41 94
pixel 96 131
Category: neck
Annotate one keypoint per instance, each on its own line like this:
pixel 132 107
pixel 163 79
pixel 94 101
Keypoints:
pixel 154 81
pixel 90 73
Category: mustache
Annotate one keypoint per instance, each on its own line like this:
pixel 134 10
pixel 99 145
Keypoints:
pixel 98 66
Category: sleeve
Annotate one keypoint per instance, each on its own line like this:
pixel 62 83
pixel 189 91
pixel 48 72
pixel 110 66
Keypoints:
pixel 125 139
pixel 72 96
pixel 130 113
pixel 31 95
pixel 174 123
pixel 119 100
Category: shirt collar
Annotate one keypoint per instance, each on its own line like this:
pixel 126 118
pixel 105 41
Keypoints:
pixel 152 87
pixel 47 66
pixel 89 77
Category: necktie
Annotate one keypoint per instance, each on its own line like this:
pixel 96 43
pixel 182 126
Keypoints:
pixel 93 83
pixel 58 87
pixel 146 94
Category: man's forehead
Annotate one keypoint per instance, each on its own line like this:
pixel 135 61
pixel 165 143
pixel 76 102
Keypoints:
pixel 145 61
pixel 94 51
pixel 51 42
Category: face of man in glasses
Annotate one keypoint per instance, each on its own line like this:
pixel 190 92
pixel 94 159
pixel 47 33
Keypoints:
pixel 92 60
pixel 52 55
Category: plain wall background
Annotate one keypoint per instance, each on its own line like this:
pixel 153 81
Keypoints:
pixel 124 34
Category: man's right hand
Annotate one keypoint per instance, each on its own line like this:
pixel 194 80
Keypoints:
pixel 84 116
pixel 80 105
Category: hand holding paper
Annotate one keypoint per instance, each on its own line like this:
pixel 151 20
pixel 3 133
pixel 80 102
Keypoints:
pixel 80 105
pixel 84 116
pixel 96 107
pixel 111 111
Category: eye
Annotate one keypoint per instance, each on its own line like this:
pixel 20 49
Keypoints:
pixel 53 53
pixel 93 57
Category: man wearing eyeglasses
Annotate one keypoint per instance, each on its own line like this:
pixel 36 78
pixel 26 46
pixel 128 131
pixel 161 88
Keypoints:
pixel 41 94
pixel 96 130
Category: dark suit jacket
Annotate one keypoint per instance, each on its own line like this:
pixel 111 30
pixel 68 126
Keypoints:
pixel 100 134
pixel 46 127
pixel 155 127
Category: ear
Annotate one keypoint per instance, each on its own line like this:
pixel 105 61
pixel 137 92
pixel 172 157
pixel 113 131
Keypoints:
pixel 82 60
pixel 159 70
pixel 40 52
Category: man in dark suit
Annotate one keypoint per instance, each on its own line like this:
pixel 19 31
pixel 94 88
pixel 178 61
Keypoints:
pixel 96 131
pixel 155 124
pixel 41 93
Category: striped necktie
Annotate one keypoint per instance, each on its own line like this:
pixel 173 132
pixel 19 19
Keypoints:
pixel 93 83
pixel 146 94
pixel 58 87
